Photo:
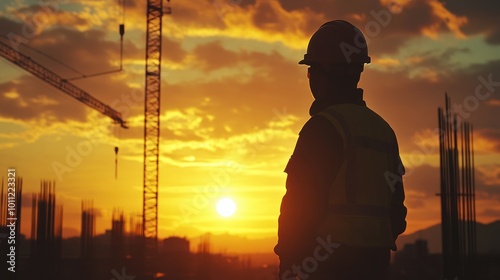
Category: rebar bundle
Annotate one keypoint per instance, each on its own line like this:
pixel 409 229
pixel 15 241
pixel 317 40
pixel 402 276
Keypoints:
pixel 88 230
pixel 458 212
pixel 46 233
pixel 117 235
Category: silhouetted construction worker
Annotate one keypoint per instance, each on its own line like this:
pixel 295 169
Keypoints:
pixel 343 209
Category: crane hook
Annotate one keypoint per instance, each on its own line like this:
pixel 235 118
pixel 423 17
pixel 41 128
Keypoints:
pixel 116 162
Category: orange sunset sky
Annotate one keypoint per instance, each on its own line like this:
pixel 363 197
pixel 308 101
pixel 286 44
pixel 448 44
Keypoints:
pixel 234 100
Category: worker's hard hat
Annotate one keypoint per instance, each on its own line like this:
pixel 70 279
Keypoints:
pixel 337 42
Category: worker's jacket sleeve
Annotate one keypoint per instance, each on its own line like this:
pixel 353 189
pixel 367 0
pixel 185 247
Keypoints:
pixel 397 210
pixel 315 160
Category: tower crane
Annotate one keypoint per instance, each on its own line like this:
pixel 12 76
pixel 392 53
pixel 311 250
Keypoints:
pixel 55 80
pixel 152 124
pixel 155 11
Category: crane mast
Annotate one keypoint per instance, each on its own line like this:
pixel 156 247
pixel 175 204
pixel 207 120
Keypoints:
pixel 55 80
pixel 152 125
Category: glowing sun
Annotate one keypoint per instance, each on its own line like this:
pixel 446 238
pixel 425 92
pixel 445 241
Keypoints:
pixel 226 207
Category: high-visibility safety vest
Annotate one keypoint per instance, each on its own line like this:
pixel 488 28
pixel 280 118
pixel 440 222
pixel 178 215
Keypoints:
pixel 360 194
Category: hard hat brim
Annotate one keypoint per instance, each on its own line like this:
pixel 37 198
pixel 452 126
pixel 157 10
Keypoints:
pixel 303 61
pixel 307 60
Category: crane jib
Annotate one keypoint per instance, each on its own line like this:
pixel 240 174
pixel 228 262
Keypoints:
pixel 56 81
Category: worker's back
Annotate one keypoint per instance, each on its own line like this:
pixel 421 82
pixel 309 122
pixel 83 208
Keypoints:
pixel 360 195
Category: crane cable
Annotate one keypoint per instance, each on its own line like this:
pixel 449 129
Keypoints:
pixel 43 54
pixel 116 149
pixel 122 32
pixel 116 162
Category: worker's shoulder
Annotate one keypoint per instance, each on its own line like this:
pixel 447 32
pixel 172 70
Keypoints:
pixel 357 117
pixel 316 124
pixel 352 110
pixel 376 116
pixel 381 120
pixel 318 130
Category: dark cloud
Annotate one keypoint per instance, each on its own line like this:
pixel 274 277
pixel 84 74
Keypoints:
pixel 212 56
pixel 130 4
pixel 482 17
pixel 8 26
pixel 206 13
pixel 410 104
pixel 423 183
pixel 172 51
pixel 333 9
pixel 486 78
pixel 41 15
pixel 494 37
pixel 88 52
pixel 267 17
pixel 488 182
pixel 492 136
pixel 25 106
pixel 385 30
